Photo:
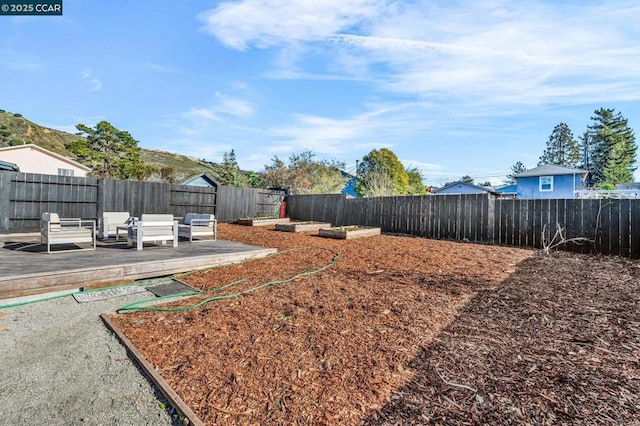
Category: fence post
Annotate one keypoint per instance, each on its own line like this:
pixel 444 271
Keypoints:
pixel 491 218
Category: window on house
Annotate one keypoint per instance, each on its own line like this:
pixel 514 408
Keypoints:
pixel 546 183
pixel 65 172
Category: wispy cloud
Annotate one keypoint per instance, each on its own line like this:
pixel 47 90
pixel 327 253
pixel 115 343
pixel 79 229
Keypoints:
pixel 273 23
pixel 222 107
pixel 160 68
pixel 95 83
pixel 499 52
pixel 19 61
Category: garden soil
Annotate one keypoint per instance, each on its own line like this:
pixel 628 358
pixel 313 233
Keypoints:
pixel 400 330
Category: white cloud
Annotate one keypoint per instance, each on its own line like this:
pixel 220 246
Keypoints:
pixel 222 106
pixel 96 83
pixel 498 52
pixel 270 23
pixel 160 68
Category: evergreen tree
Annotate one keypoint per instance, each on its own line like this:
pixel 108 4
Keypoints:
pixel 611 149
pixel 517 168
pixel 110 152
pixel 562 148
pixel 229 172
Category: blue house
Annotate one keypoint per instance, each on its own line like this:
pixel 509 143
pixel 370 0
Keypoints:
pixel 350 188
pixel 549 181
pixel 458 188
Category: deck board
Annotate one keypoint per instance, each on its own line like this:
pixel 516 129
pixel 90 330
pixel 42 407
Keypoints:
pixel 27 270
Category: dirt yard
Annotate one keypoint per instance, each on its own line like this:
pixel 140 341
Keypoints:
pixel 400 330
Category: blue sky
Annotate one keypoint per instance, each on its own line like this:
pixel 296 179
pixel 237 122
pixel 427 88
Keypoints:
pixel 452 87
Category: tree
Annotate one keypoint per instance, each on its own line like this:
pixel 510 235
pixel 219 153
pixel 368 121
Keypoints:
pixel 466 179
pixel 375 184
pixel 228 171
pixel 378 163
pixel 516 169
pixel 111 153
pixel 562 148
pixel 305 175
pixel 416 186
pixel 611 149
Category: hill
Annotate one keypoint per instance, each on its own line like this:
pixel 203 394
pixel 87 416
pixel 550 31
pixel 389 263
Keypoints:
pixel 16 130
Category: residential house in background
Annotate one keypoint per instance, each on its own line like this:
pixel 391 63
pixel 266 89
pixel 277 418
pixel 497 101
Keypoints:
pixel 203 180
pixel 549 181
pixel 507 191
pixel 350 187
pixel 9 166
pixel 32 158
pixel 458 188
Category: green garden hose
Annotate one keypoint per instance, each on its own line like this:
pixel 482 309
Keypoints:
pixel 136 306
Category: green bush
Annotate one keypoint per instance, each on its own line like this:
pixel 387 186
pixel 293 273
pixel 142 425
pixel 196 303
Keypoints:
pixel 5 133
pixel 17 115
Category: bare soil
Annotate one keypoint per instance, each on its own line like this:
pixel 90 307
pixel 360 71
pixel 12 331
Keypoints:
pixel 402 330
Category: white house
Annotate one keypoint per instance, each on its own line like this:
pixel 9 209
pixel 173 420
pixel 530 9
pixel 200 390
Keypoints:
pixel 32 158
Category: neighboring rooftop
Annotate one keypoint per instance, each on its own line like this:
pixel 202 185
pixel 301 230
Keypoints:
pixel 550 170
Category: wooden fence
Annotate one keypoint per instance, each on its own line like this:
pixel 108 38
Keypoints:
pixel 25 196
pixel 611 226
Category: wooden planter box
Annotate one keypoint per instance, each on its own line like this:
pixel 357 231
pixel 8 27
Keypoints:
pixel 301 226
pixel 348 232
pixel 262 222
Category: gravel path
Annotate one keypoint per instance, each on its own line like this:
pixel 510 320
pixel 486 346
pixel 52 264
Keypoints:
pixel 60 365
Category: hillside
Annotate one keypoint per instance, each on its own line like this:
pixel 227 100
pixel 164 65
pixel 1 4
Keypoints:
pixel 15 130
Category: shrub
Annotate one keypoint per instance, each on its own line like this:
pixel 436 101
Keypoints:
pixel 17 115
pixel 5 133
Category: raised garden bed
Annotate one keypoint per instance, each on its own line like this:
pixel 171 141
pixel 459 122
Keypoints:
pixel 301 226
pixel 348 232
pixel 263 221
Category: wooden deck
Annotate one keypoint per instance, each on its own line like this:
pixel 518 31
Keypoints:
pixel 26 269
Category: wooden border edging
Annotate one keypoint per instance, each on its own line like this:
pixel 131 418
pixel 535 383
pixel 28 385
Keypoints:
pixel 166 390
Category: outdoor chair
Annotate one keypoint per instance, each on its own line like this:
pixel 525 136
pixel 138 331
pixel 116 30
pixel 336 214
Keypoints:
pixel 152 227
pixel 198 225
pixel 70 231
pixel 112 222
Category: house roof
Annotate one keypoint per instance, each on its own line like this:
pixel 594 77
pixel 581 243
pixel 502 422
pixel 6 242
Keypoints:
pixel 550 170
pixel 487 189
pixel 507 189
pixel 47 152
pixel 206 177
pixel 5 165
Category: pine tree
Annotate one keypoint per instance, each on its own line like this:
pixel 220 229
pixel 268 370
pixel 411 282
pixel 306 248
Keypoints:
pixel 229 173
pixel 110 152
pixel 517 168
pixel 612 149
pixel 562 148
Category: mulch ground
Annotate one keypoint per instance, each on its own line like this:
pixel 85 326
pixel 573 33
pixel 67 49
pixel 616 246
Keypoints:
pixel 401 330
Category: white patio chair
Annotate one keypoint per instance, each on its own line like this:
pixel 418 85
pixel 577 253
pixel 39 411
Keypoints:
pixel 56 230
pixel 111 222
pixel 153 227
pixel 198 225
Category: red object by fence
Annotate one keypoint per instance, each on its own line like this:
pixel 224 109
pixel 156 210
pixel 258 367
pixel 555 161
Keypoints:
pixel 283 209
